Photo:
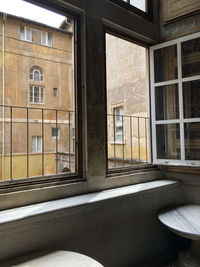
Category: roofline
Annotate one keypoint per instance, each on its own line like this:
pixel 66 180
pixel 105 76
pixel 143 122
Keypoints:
pixel 35 22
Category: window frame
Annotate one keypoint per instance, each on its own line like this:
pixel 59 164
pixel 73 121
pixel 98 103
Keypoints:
pixel 41 100
pixel 125 36
pixel 118 124
pixel 41 74
pixel 25 28
pixel 47 34
pixel 37 137
pixel 181 121
pixel 58 133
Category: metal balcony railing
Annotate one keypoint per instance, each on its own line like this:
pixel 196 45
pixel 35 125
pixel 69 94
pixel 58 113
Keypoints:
pixel 36 141
pixel 127 140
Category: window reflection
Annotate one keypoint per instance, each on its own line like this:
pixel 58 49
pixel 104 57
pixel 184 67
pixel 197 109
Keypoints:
pixel 165 64
pixel 191 99
pixel 192 141
pixel 167 104
pixel 168 141
pixel 191 57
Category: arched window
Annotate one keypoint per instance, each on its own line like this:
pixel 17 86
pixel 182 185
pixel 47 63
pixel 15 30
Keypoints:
pixel 37 89
pixel 37 74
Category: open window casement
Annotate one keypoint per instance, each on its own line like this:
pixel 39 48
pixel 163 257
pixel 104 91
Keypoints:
pixel 175 100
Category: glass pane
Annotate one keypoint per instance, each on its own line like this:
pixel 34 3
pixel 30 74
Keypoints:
pixel 191 99
pixel 49 39
pixel 165 64
pixel 36 75
pixel 127 103
pixel 191 57
pixel 28 34
pixel 192 141
pixel 167 102
pixel 43 37
pixel 34 143
pixel 141 4
pixel 168 141
pixel 21 33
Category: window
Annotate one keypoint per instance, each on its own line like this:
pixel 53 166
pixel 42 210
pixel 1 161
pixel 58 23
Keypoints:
pixel 55 132
pixel 25 34
pixel 36 145
pixel 175 87
pixel 127 103
pixel 46 38
pixel 118 113
pixel 36 95
pixel 55 91
pixel 36 74
pixel 31 119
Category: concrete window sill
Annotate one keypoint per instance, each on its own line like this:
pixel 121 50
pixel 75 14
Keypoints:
pixel 20 213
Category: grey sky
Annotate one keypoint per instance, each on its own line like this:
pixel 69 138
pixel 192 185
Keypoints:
pixel 26 10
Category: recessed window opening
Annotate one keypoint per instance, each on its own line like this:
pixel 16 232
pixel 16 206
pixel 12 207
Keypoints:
pixel 127 103
pixel 36 128
pixel 55 91
pixel 175 91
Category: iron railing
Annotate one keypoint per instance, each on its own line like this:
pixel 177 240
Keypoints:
pixel 131 146
pixel 18 124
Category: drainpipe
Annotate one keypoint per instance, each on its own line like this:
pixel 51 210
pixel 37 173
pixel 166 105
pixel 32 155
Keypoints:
pixel 3 97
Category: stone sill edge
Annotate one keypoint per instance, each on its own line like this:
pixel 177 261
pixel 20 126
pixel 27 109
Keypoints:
pixel 15 214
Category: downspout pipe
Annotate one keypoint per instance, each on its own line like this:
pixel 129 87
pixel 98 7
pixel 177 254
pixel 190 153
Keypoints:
pixel 3 97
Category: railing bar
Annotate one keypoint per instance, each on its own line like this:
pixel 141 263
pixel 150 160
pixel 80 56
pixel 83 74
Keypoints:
pixel 42 142
pixel 123 135
pixel 114 140
pixel 127 116
pixel 131 138
pixel 11 178
pixel 146 137
pixel 56 141
pixel 27 141
pixel 23 107
pixel 139 138
pixel 69 144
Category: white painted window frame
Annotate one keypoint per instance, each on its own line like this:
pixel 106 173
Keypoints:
pixel 25 34
pixel 181 120
pixel 47 34
pixel 41 101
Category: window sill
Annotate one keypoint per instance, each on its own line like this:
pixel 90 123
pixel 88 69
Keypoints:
pixel 20 213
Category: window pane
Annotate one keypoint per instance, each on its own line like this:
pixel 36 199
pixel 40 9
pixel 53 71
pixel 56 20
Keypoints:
pixel 192 141
pixel 49 39
pixel 127 103
pixel 165 64
pixel 166 102
pixel 43 38
pixel 28 34
pixel 168 141
pixel 191 57
pixel 141 4
pixel 36 75
pixel 191 99
pixel 39 143
pixel 34 143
